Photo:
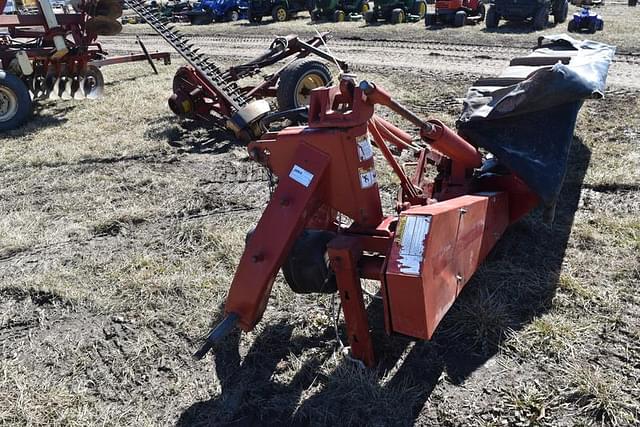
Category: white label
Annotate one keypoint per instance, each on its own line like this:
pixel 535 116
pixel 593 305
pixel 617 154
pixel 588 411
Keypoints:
pixel 300 175
pixel 365 151
pixel 367 177
pixel 415 231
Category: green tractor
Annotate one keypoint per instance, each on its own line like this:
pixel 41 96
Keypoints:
pixel 397 11
pixel 339 10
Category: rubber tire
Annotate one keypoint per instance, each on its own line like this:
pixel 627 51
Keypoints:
pixel 492 19
pixel 274 13
pixel 600 27
pixel 292 74
pixel 397 16
pixel 430 19
pixel 481 11
pixel 306 269
pixel 256 19
pixel 459 18
pixel 339 16
pixel 541 19
pixel 23 101
pixel 416 8
pixel 593 27
pixel 233 15
pixel 571 27
pixel 200 20
pixel 370 17
pixel 560 16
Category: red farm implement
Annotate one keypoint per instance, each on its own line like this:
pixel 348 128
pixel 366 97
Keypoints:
pixel 425 253
pixel 204 92
pixel 48 55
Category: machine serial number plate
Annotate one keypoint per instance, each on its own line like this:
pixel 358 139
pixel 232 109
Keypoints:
pixel 414 232
pixel 300 175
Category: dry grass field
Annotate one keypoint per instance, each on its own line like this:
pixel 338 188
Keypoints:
pixel 120 229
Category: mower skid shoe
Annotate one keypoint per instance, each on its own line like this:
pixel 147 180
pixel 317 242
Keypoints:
pixel 294 201
pixel 217 334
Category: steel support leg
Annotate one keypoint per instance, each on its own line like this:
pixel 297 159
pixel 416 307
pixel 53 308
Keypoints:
pixel 344 254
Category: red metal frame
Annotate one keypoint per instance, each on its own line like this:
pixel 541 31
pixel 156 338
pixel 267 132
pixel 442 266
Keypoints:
pixel 423 256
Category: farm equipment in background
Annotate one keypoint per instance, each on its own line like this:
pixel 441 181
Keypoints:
pixel 207 11
pixel 456 13
pixel 396 11
pixel 204 92
pixel 324 224
pixel 49 55
pixel 585 19
pixel 537 11
pixel 340 10
pixel 279 10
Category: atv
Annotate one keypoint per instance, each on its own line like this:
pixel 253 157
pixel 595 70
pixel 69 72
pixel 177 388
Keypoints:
pixel 585 20
pixel 207 11
pixel 456 13
pixel 537 11
pixel 396 11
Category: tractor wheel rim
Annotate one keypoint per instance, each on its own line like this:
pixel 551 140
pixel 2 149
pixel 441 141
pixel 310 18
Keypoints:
pixel 305 86
pixel 8 104
pixel 282 14
pixel 423 9
pixel 365 8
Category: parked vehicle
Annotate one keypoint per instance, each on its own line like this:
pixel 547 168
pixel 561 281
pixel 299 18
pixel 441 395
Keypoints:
pixel 585 19
pixel 279 10
pixel 537 11
pixel 456 13
pixel 207 11
pixel 340 10
pixel 396 11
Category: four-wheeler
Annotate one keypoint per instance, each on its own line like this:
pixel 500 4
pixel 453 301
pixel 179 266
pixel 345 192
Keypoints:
pixel 324 225
pixel 396 11
pixel 339 10
pixel 537 11
pixel 207 11
pixel 279 10
pixel 208 94
pixel 585 19
pixel 48 55
pixel 456 12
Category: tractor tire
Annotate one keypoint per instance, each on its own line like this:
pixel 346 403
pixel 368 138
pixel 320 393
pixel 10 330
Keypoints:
pixel 420 8
pixel 571 27
pixel 200 19
pixel 298 79
pixel 339 16
pixel 541 19
pixel 600 27
pixel 370 17
pixel 481 11
pixel 492 19
pixel 397 16
pixel 280 13
pixel 306 269
pixel 632 3
pixel 233 15
pixel 593 27
pixel 430 19
pixel 560 15
pixel 459 18
pixel 15 102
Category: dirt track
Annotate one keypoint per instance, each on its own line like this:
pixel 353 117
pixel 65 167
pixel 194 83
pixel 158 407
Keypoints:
pixel 120 229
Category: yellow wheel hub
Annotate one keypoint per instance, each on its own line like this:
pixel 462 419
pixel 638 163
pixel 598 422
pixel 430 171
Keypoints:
pixel 422 10
pixel 365 8
pixel 281 14
pixel 305 86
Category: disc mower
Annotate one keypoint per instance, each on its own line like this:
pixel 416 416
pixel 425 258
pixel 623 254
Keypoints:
pixel 324 225
pixel 587 20
pixel 204 92
pixel 47 55
pixel 456 13
pixel 396 11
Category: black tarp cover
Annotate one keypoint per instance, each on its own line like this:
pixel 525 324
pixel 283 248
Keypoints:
pixel 529 126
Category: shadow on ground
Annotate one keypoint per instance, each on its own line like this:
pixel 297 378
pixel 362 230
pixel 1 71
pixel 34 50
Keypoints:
pixel 515 284
pixel 189 136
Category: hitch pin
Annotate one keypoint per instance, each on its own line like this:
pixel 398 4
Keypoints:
pixel 217 334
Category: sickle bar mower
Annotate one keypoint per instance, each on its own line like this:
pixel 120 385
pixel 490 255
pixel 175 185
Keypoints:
pixel 443 228
pixel 204 92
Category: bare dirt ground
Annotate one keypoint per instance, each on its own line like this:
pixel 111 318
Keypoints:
pixel 120 229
